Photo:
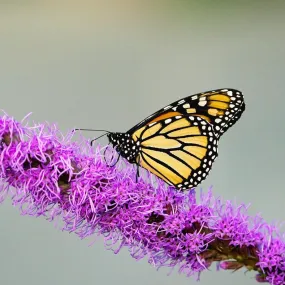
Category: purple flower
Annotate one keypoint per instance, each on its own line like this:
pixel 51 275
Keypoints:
pixel 50 175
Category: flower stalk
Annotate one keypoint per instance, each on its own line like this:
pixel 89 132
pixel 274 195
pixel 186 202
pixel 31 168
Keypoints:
pixel 48 174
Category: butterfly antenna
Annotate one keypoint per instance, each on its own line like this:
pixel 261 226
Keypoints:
pixel 91 142
pixel 91 130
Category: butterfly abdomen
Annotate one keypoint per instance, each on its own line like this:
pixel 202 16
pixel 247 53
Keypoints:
pixel 124 145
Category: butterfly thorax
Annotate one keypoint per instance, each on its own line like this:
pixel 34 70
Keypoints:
pixel 124 145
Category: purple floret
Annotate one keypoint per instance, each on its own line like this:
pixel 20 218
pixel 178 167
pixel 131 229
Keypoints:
pixel 48 174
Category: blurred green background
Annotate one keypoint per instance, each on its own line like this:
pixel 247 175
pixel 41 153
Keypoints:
pixel 109 64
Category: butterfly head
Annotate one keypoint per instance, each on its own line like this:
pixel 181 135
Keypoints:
pixel 124 145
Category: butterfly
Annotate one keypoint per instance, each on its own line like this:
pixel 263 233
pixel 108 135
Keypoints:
pixel 179 143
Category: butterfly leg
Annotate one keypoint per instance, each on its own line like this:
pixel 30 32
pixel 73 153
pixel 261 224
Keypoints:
pixel 138 173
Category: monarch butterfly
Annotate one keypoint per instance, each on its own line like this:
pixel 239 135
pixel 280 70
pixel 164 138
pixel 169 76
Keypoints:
pixel 179 143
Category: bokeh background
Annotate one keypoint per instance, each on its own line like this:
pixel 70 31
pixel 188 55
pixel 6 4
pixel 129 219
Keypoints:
pixel 108 64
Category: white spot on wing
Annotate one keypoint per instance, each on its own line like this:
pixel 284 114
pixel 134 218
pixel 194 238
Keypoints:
pixel 202 103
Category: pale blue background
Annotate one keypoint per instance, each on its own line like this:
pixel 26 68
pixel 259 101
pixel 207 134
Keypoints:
pixel 109 64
